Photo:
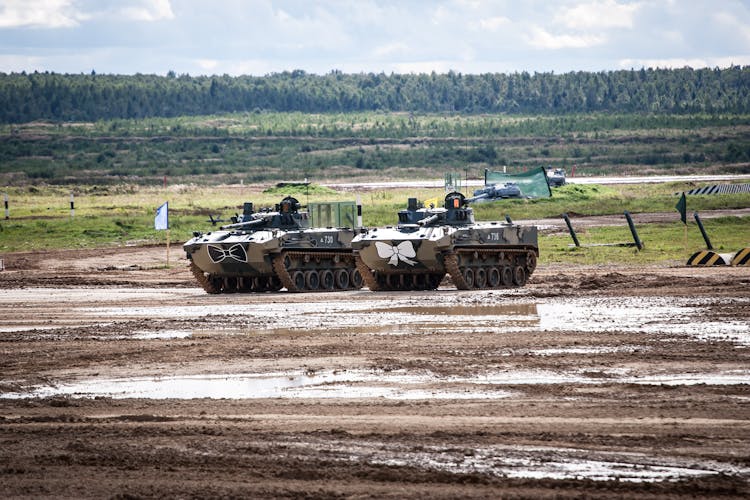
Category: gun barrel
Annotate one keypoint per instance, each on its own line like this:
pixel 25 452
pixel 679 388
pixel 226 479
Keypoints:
pixel 428 220
pixel 477 198
pixel 245 225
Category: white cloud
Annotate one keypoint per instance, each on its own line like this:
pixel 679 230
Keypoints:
pixel 732 24
pixel 391 49
pixel 598 15
pixel 149 11
pixel 251 67
pixel 542 39
pixel 494 23
pixel 319 29
pixel 417 67
pixel 39 14
pixel 207 64
pixel 18 63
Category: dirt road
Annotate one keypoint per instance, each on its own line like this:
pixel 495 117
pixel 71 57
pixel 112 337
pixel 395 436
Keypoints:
pixel 120 378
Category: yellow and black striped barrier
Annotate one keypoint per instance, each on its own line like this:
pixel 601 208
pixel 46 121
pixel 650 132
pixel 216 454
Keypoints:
pixel 709 258
pixel 742 258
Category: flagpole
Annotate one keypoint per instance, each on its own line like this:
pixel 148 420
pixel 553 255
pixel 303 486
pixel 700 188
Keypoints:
pixel 685 239
pixel 682 208
pixel 168 247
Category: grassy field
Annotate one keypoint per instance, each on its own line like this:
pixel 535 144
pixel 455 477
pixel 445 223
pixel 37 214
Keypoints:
pixel 123 215
pixel 261 147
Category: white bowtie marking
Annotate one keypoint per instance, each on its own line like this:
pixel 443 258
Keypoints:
pixel 395 253
pixel 236 252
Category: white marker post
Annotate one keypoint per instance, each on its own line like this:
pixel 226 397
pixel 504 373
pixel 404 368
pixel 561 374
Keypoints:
pixel 359 211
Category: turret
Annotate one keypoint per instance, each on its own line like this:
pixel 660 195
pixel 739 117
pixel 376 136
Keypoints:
pixel 287 215
pixel 253 223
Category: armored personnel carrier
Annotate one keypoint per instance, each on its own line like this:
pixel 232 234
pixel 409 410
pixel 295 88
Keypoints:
pixel 274 249
pixel 556 177
pixel 430 242
pixel 496 192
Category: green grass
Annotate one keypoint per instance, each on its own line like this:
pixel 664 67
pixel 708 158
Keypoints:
pixel 124 215
pixel 663 243
pixel 299 190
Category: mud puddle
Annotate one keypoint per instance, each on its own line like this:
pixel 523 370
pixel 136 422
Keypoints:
pixel 331 384
pixel 486 312
pixel 525 461
pixel 160 334
pixel 397 384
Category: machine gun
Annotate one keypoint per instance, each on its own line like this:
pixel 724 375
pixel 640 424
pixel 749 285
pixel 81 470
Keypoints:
pixel 496 191
pixel 256 222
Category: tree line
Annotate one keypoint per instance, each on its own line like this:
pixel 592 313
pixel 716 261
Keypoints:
pixel 27 97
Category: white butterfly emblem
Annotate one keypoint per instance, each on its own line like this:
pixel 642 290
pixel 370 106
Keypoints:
pixel 236 252
pixel 395 253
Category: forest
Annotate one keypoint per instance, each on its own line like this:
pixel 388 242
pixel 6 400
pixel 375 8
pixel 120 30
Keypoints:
pixel 25 97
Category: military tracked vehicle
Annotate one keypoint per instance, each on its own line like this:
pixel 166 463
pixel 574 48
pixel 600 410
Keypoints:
pixel 430 242
pixel 556 177
pixel 496 192
pixel 274 249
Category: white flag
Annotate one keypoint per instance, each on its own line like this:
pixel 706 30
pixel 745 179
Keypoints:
pixel 161 221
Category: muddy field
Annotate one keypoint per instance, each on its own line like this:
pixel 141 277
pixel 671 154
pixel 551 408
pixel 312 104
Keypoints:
pixel 120 378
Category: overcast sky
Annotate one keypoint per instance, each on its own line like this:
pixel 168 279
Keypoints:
pixel 258 37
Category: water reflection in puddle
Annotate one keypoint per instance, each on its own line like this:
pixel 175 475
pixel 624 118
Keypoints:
pixel 487 312
pixel 361 384
pixel 161 334
pixel 525 461
pixel 335 384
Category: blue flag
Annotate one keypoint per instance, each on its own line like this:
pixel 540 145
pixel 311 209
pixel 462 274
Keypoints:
pixel 161 221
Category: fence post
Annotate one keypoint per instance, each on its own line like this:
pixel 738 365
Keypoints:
pixel 703 231
pixel 633 231
pixel 570 230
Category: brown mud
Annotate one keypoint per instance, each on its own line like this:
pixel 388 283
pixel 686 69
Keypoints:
pixel 119 377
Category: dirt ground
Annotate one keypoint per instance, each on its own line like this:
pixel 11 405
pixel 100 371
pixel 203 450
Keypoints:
pixel 120 378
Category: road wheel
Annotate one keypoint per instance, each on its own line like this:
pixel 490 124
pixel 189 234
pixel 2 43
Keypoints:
pixel 260 284
pixel 468 274
pixel 493 277
pixel 519 276
pixel 327 281
pixel 298 278
pixel 274 284
pixel 530 263
pixel 420 282
pixel 230 285
pixel 244 285
pixel 507 276
pixel 356 279
pixel 480 277
pixel 342 279
pixel 312 280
